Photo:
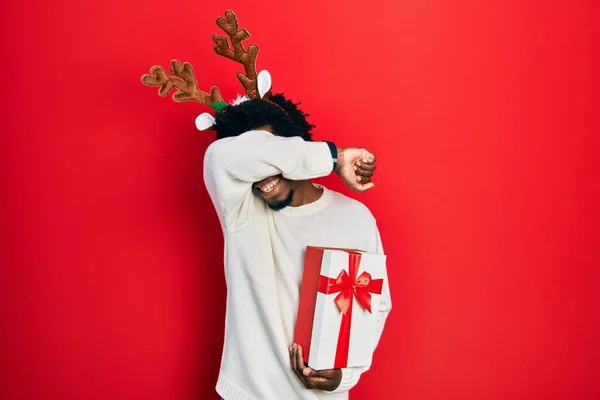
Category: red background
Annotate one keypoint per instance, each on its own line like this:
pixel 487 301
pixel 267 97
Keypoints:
pixel 484 116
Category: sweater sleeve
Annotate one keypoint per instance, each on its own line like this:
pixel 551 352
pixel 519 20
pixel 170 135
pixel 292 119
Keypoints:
pixel 350 376
pixel 232 165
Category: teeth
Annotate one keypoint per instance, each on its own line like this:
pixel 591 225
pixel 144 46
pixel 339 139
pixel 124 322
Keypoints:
pixel 266 188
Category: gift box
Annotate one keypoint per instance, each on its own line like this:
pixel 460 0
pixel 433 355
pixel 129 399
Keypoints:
pixel 338 309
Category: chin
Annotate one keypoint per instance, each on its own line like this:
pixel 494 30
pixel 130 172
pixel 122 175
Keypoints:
pixel 278 205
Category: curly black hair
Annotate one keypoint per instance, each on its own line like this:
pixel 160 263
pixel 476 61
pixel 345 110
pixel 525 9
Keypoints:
pixel 284 117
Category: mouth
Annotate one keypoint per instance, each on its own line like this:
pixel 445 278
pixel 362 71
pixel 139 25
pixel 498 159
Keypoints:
pixel 267 186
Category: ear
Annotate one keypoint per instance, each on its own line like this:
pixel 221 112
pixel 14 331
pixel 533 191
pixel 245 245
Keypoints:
pixel 264 84
pixel 205 122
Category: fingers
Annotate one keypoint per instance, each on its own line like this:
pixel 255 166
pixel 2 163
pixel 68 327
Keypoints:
pixel 363 176
pixel 306 371
pixel 292 350
pixel 364 172
pixel 356 167
pixel 293 361
pixel 310 378
pixel 366 165
pixel 298 365
pixel 299 361
pixel 365 168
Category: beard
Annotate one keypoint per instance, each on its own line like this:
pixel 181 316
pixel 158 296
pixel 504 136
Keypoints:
pixel 282 204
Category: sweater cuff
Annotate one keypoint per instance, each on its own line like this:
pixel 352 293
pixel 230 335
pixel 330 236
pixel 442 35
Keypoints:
pixel 350 377
pixel 334 153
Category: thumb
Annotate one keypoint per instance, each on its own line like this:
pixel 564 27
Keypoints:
pixel 365 187
pixel 309 372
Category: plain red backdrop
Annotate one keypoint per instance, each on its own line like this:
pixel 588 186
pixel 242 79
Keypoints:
pixel 484 116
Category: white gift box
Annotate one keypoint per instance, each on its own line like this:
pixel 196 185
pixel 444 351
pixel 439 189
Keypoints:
pixel 339 303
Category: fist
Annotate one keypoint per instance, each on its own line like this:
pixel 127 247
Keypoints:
pixel 355 168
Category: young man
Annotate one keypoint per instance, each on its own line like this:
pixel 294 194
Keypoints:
pixel 258 177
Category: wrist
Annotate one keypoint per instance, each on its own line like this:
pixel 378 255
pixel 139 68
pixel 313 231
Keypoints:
pixel 340 159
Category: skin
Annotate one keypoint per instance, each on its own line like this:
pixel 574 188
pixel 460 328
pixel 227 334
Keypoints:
pixel 327 380
pixel 355 168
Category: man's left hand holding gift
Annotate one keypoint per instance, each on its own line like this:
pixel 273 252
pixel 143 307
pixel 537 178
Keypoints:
pixel 327 380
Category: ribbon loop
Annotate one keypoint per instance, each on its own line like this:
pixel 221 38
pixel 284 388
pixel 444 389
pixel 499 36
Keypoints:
pixel 361 288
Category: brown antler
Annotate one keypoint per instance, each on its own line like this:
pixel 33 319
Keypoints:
pixel 184 81
pixel 245 57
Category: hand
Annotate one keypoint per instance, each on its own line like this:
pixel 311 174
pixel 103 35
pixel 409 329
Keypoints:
pixel 355 167
pixel 328 379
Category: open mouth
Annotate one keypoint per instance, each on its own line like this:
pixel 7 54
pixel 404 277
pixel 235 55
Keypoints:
pixel 267 185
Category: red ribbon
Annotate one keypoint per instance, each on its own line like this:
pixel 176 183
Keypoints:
pixel 349 286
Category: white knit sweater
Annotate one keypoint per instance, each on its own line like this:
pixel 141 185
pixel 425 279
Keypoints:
pixel 264 252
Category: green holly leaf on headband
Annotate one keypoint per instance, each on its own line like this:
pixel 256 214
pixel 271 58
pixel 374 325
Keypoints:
pixel 218 106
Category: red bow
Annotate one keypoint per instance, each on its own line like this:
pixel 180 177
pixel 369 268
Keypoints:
pixel 346 286
pixel 349 286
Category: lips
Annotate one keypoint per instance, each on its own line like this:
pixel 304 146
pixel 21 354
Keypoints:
pixel 267 185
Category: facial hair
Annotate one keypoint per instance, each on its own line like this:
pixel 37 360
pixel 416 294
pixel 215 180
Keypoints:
pixel 282 204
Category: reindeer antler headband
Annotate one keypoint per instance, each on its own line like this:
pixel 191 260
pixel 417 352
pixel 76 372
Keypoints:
pixel 184 80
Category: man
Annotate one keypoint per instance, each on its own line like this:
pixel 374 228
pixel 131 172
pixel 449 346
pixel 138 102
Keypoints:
pixel 258 177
